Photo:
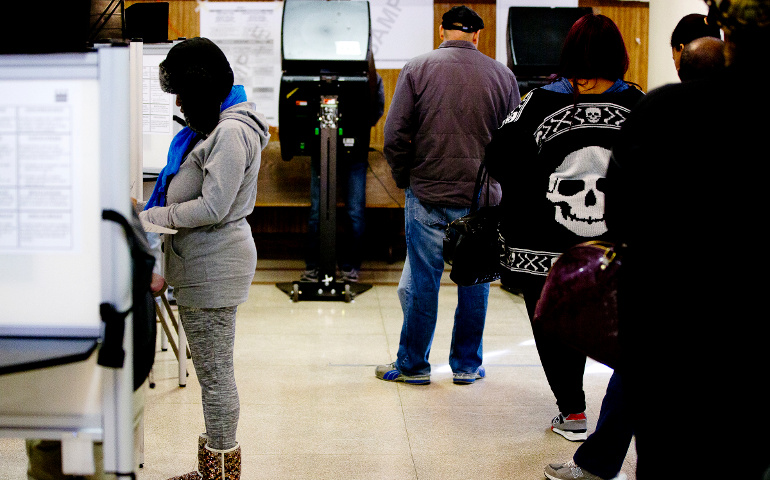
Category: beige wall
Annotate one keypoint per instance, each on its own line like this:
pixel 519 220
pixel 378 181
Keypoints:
pixel 630 16
pixel 664 15
pixel 632 19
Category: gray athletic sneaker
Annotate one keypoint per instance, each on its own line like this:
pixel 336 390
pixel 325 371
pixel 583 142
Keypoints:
pixel 573 427
pixel 350 276
pixel 468 378
pixel 568 471
pixel 390 373
pixel 309 275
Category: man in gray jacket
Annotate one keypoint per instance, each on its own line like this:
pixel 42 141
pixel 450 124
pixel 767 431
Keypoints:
pixel 445 107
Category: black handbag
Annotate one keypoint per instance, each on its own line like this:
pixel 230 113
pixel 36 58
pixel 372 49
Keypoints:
pixel 472 242
pixel 579 302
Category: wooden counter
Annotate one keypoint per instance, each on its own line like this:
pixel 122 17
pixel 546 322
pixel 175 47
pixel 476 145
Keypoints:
pixel 279 220
pixel 287 184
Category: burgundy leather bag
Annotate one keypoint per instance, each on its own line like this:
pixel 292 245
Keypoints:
pixel 579 302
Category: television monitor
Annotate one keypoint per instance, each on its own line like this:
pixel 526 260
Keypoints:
pixel 331 36
pixel 535 36
pixel 147 21
pixel 45 27
pixel 326 50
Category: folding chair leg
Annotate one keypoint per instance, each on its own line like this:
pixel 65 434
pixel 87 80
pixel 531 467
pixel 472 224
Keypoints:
pixel 177 325
pixel 166 329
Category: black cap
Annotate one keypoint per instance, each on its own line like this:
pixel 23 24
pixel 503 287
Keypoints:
pixel 462 18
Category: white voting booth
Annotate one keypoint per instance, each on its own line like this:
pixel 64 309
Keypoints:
pixel 64 159
pixel 152 129
pixel 153 112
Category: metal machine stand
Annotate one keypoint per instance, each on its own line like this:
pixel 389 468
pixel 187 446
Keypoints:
pixel 327 287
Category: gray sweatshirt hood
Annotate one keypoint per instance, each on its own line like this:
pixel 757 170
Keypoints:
pixel 246 112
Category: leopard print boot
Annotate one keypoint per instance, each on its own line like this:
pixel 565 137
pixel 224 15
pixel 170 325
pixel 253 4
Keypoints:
pixel 222 464
pixel 196 475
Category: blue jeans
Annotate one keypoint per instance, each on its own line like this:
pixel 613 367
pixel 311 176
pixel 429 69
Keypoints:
pixel 353 176
pixel 418 293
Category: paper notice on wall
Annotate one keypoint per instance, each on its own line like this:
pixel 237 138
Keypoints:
pixel 249 33
pixel 157 105
pixel 43 150
pixel 501 54
pixel 401 30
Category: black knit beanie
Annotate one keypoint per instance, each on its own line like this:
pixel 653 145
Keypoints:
pixel 198 71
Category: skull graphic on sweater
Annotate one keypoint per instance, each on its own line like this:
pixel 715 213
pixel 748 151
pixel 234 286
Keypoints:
pixel 576 190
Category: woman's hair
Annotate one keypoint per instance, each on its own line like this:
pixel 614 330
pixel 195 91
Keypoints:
pixel 746 24
pixel 693 26
pixel 593 48
pixel 198 72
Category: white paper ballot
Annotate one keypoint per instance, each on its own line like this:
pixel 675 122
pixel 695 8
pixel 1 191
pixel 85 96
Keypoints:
pixel 152 228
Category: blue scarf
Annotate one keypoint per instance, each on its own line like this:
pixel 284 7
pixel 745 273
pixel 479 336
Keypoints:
pixel 562 85
pixel 178 147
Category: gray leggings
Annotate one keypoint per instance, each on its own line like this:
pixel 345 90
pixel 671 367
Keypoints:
pixel 211 335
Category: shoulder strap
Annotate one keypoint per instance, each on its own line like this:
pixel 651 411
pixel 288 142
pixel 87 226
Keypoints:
pixel 481 177
pixel 111 353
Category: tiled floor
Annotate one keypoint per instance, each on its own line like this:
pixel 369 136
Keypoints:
pixel 311 407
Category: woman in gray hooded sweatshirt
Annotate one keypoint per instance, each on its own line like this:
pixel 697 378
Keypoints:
pixel 205 192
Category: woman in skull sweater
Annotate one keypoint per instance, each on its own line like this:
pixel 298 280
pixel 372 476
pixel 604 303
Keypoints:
pixel 550 156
